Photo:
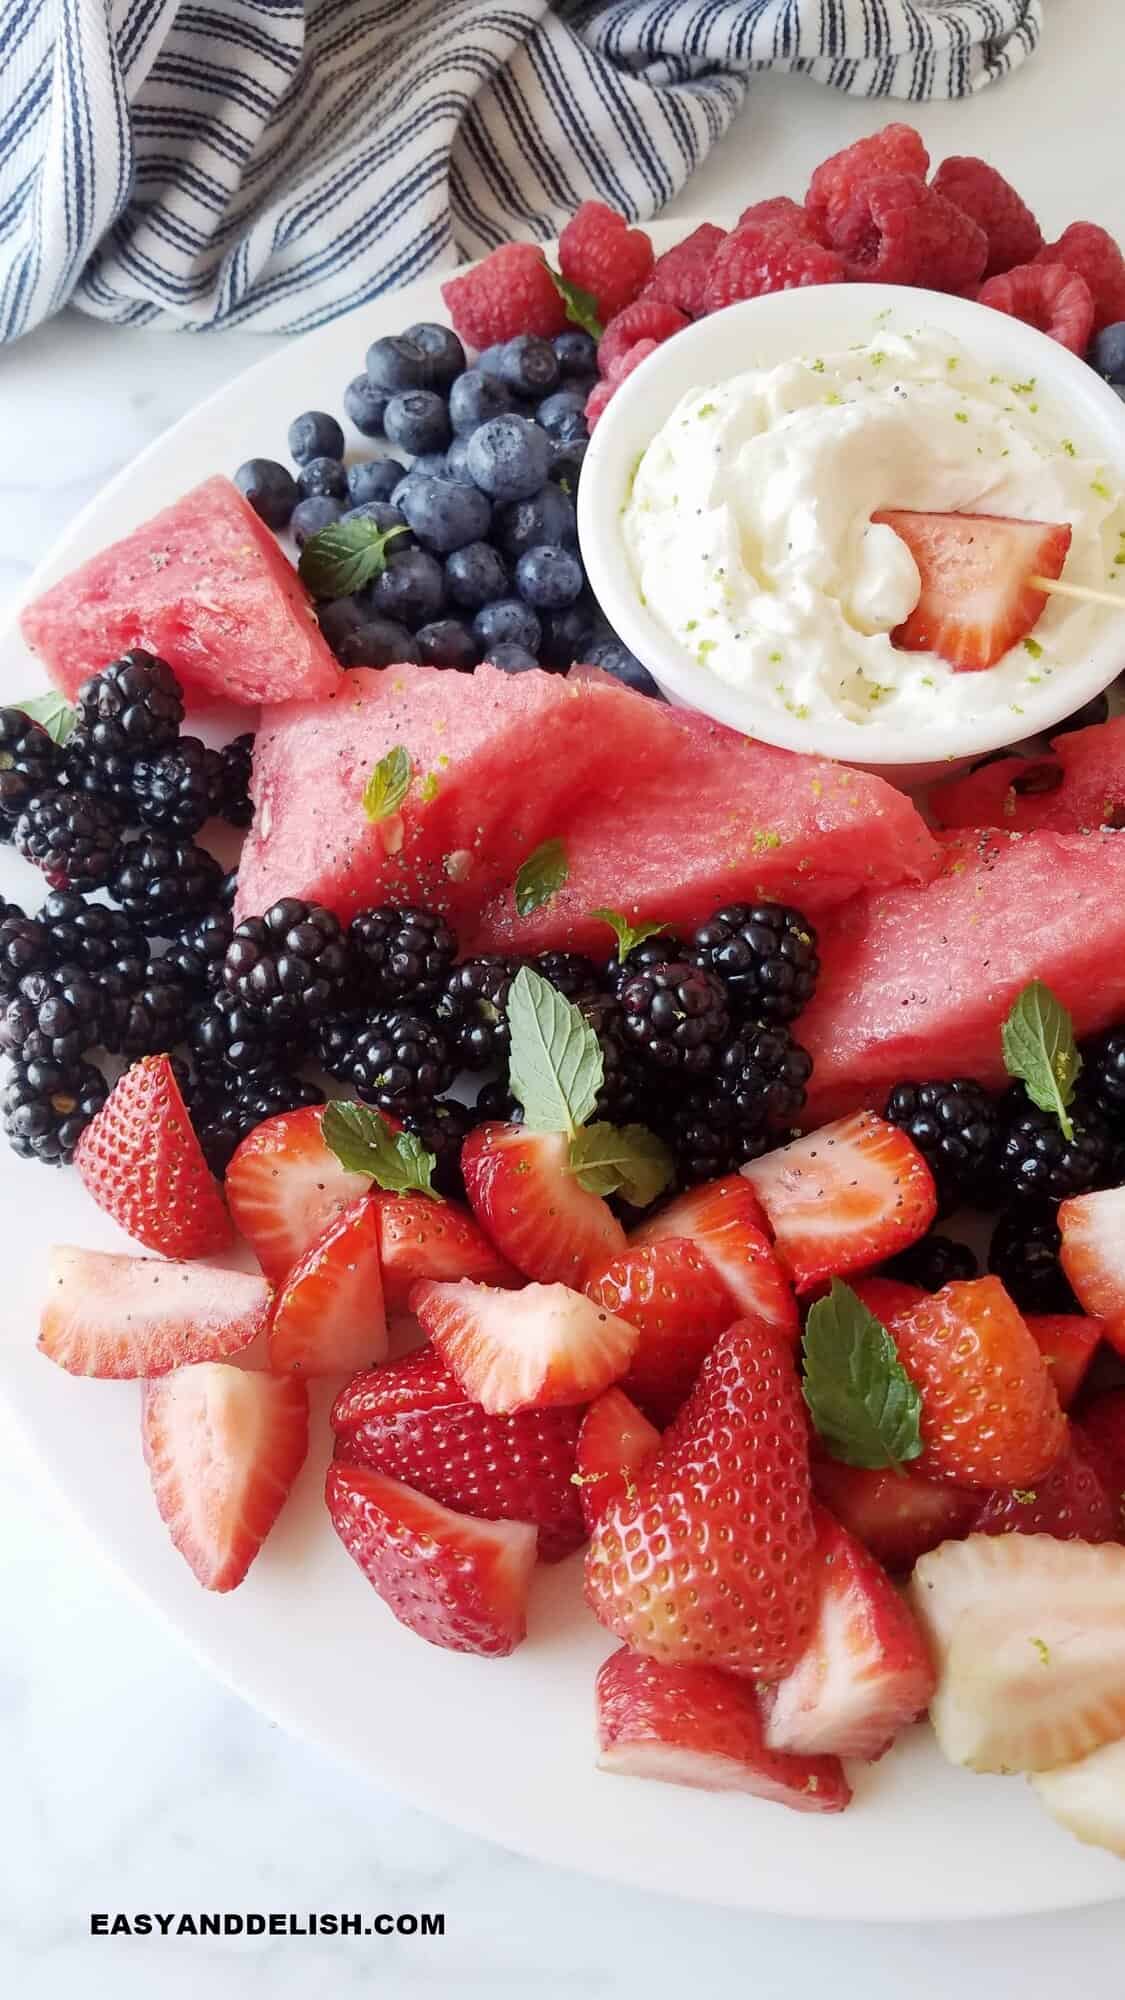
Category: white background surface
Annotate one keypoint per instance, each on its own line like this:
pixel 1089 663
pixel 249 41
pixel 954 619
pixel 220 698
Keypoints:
pixel 129 1780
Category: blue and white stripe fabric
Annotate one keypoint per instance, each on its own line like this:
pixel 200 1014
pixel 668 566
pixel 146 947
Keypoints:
pixel 268 164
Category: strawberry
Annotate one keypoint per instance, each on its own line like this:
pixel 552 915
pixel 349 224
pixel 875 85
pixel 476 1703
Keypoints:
pixel 1068 1344
pixel 1100 1435
pixel 709 1562
pixel 895 1513
pixel 457 1582
pixel 422 1238
pixel 1028 1638
pixel 524 1350
pixel 1093 1257
pixel 1088 1797
pixel 328 1317
pixel 613 1444
pixel 528 1202
pixel 411 1420
pixel 1069 1502
pixel 887 1297
pixel 223 1447
pixel 727 1223
pixel 679 1305
pixel 865 1672
pixel 977 599
pixel 284 1186
pixel 125 1316
pixel 696 1726
pixel 843 1198
pixel 142 1163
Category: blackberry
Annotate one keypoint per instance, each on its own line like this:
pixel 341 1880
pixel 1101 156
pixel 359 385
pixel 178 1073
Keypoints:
pixel 495 1101
pixel 473 1008
pixel 198 952
pixel 227 1039
pixel 174 789
pixel 25 946
pixel 333 1042
pixel 932 1262
pixel 54 1016
pixel 709 1133
pixel 766 956
pixel 764 1073
pixel 401 1062
pixel 222 1121
pixel 665 948
pixel 568 973
pixel 1102 1082
pixel 290 965
pixel 226 891
pixel 133 708
pixel 443 1128
pixel 1024 1255
pixel 30 762
pixel 956 1128
pixel 45 1107
pixel 1036 1160
pixel 401 954
pixel 71 837
pixel 160 882
pixel 147 1003
pixel 624 1080
pixel 230 793
pixel 676 1016
pixel 87 934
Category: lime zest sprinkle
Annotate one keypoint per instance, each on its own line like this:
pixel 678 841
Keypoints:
pixel 1033 647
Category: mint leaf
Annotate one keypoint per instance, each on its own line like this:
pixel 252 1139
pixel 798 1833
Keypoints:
pixel 344 557
pixel 364 1143
pixel 388 784
pixel 621 1159
pixel 1039 1047
pixel 555 1066
pixel 861 1398
pixel 581 307
pixel 52 712
pixel 541 876
pixel 627 934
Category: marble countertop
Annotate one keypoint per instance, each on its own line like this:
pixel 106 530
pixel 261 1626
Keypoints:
pixel 132 1781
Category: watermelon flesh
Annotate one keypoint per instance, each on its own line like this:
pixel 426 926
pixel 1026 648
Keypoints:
pixel 205 585
pixel 662 814
pixel 915 982
pixel 1079 785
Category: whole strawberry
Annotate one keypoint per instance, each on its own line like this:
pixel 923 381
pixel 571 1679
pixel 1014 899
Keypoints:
pixel 142 1163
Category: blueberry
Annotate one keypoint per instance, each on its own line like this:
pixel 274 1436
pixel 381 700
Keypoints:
pixel 1109 352
pixel 577 352
pixel 384 516
pixel 373 479
pixel 557 413
pixel 527 524
pixel 614 658
pixel 512 659
pixel 474 399
pixel 488 361
pixel 270 489
pixel 323 479
pixel 507 622
pixel 568 635
pixel 411 588
pixel 395 364
pixel 447 643
pixel 432 464
pixel 364 405
pixel 566 464
pixel 319 511
pixel 549 578
pixel 443 515
pixel 529 366
pixel 315 435
pixel 338 618
pixel 375 642
pixel 475 575
pixel 509 458
pixel 443 352
pixel 417 420
pixel 455 465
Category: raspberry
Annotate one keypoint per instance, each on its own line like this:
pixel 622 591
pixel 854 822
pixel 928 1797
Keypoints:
pixel 599 396
pixel 1091 253
pixel 599 252
pixel 1048 296
pixel 1014 236
pixel 897 149
pixel 511 292
pixel 679 277
pixel 894 230
pixel 783 213
pixel 646 319
pixel 754 261
pixel 625 364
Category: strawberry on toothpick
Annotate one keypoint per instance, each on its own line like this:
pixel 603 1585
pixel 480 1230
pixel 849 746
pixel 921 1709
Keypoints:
pixel 985 582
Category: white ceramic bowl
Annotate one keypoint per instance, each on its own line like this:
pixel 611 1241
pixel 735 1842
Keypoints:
pixel 761 333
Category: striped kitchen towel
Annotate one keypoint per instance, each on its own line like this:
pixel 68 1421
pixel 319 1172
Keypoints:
pixel 268 163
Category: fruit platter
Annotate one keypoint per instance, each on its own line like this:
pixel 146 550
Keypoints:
pixel 577 1252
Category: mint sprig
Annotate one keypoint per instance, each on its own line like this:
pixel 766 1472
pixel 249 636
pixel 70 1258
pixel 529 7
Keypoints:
pixel 364 1143
pixel 345 556
pixel 388 784
pixel 541 876
pixel 52 712
pixel 555 1065
pixel 1039 1047
pixel 628 935
pixel 621 1159
pixel 860 1397
pixel 581 307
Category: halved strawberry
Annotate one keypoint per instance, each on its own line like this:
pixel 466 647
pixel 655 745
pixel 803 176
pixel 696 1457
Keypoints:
pixel 526 1199
pixel 421 1238
pixel 1068 1344
pixel 1088 1797
pixel 328 1317
pixel 843 1198
pixel 284 1186
pixel 457 1582
pixel 412 1420
pixel 696 1726
pixel 727 1223
pixel 1069 1502
pixel 679 1305
pixel 223 1446
pixel 614 1442
pixel 977 598
pixel 524 1350
pixel 1093 1257
pixel 896 1513
pixel 141 1162
pixel 126 1316
pixel 865 1672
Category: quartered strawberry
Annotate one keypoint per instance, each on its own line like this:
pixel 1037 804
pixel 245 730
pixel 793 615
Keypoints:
pixel 1100 1434
pixel 285 1186
pixel 843 1198
pixel 614 1442
pixel 328 1317
pixel 1068 1344
pixel 411 1420
pixel 1093 1256
pixel 977 600
pixel 422 1238
pixel 727 1223
pixel 141 1162
pixel 1028 1637
pixel 696 1726
pixel 1069 1502
pixel 679 1305
pixel 528 1202
pixel 223 1446
pixel 524 1350
pixel 457 1582
pixel 895 1513
pixel 709 1561
pixel 887 1297
pixel 1088 1797
pixel 126 1316
pixel 865 1672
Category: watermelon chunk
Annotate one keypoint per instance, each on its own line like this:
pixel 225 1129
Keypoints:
pixel 662 814
pixel 1079 785
pixel 915 982
pixel 205 585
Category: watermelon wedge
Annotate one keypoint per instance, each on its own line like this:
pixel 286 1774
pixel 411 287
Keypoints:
pixel 1080 784
pixel 203 584
pixel 915 982
pixel 661 813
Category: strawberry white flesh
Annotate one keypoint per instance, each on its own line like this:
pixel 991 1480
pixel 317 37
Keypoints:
pixel 726 1222
pixel 1088 1797
pixel 524 1350
pixel 110 1315
pixel 1028 1638
pixel 328 1317
pixel 977 599
pixel 533 1209
pixel 1093 1256
pixel 284 1186
pixel 843 1198
pixel 223 1447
